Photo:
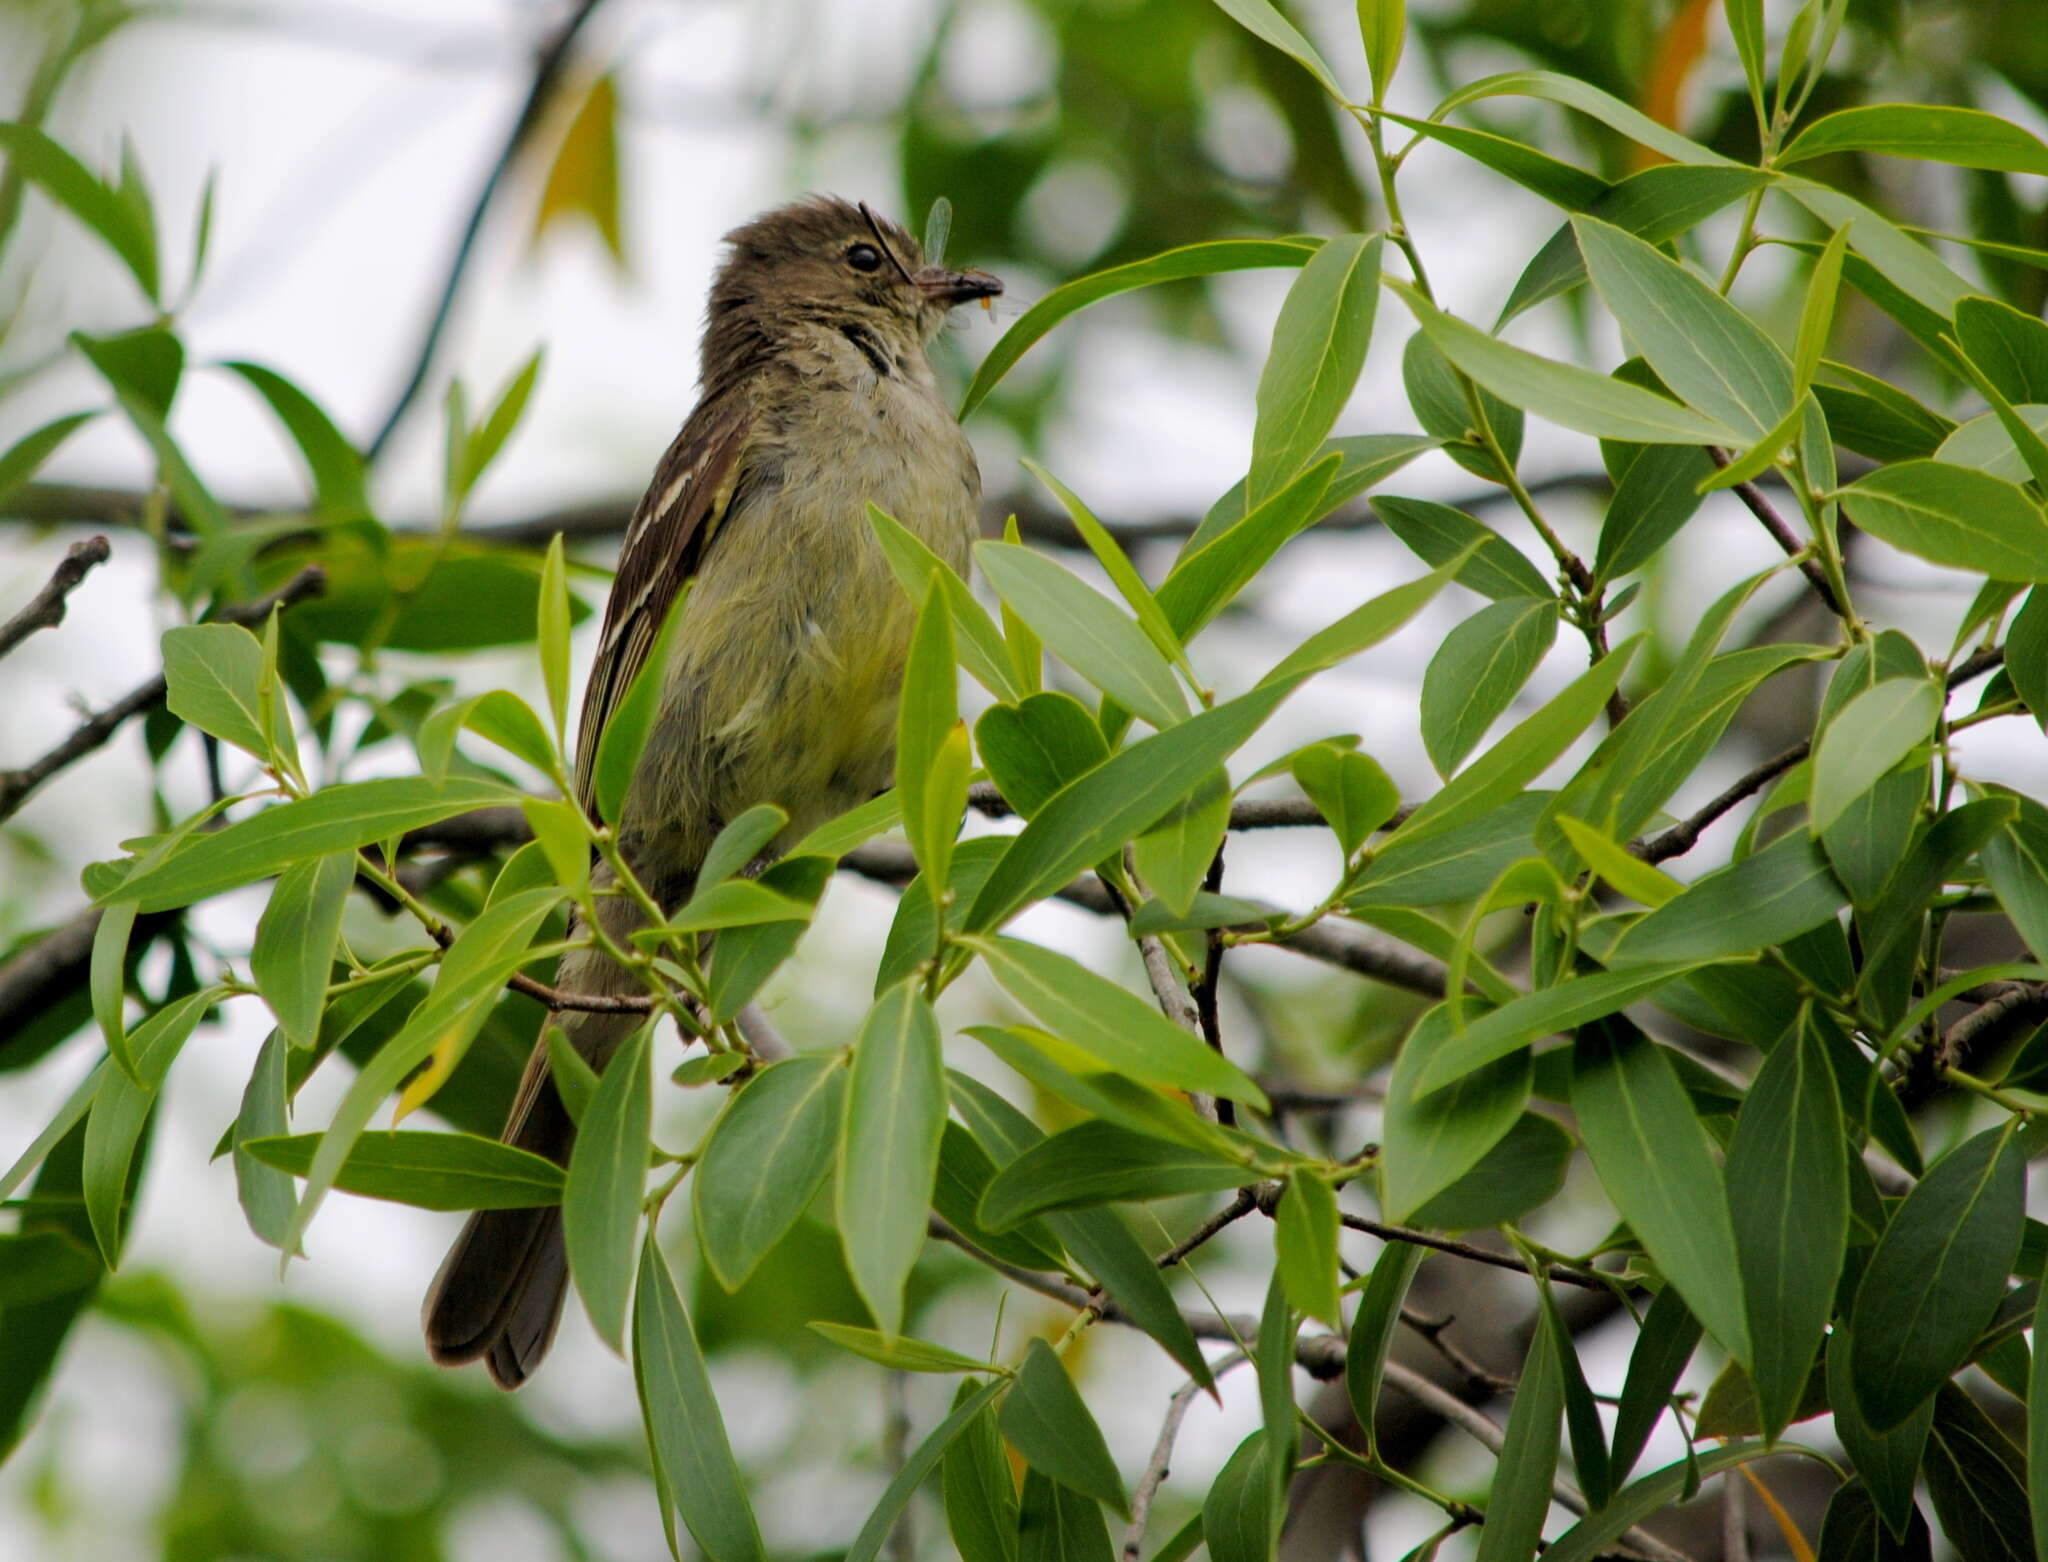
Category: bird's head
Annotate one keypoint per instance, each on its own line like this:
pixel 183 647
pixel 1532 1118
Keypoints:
pixel 833 263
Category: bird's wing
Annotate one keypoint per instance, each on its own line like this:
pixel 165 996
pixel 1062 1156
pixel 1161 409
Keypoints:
pixel 665 545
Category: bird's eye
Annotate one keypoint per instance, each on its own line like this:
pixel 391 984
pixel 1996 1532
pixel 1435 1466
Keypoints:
pixel 864 257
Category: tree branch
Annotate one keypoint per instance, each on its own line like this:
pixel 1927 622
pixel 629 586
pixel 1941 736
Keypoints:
pixel 547 69
pixel 1162 1451
pixel 46 608
pixel 1781 533
pixel 16 786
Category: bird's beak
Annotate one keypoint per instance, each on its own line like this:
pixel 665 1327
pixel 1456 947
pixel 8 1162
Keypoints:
pixel 956 287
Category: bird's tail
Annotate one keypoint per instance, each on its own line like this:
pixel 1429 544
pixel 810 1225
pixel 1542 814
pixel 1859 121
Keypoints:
pixel 500 1290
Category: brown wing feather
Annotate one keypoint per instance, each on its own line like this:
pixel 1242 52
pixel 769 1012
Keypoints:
pixel 676 520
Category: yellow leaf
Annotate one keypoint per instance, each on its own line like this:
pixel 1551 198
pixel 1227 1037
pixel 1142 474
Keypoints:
pixel 419 1090
pixel 584 180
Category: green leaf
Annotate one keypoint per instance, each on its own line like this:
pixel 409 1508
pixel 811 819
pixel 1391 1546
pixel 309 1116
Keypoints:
pixel 440 1171
pixel 2009 346
pixel 1361 628
pixel 1372 1331
pixel 1976 1477
pixel 889 1148
pixel 107 984
pixel 1383 28
pixel 36 158
pixel 1940 133
pixel 1363 460
pixel 1572 93
pixel 1936 1276
pixel 1099 1240
pixel 1817 313
pixel 1086 631
pixel 692 1456
pixel 27 454
pixel 1174 856
pixel 295 942
pixel 1432 1140
pixel 1525 752
pixel 1656 1163
pixel 607 1176
pixel 1519 1497
pixel 1888 1462
pixel 2026 654
pixel 1264 22
pixel 1305 1246
pixel 1614 862
pixel 2037 1432
pixel 552 633
pixel 1449 864
pixel 1521 1173
pixel 1560 183
pixel 1874 418
pixel 482 446
pixel 1439 534
pixel 1319 344
pixel 974 1475
pixel 1853 1531
pixel 1867 737
pixel 965 1171
pixel 340 818
pixel 1130 585
pixel 902 1354
pixel 917 1468
pixel 213 672
pixel 1788 1198
pixel 764 1161
pixel 1669 1335
pixel 1056 1524
pixel 931 795
pixel 1573 1002
pixel 1352 792
pixel 1768 898
pixel 1193 260
pixel 267 1196
pixel 121 1108
pixel 1045 1420
pixel 1706 350
pixel 1063 1070
pixel 1909 267
pixel 1034 748
pixel 1657 205
pixel 1478 670
pixel 1444 400
pixel 1102 1163
pixel 1238 1518
pixel 1563 393
pixel 626 730
pixel 1594 1534
pixel 340 485
pixel 977 641
pixel 1089 819
pixel 1117 1028
pixel 1209 574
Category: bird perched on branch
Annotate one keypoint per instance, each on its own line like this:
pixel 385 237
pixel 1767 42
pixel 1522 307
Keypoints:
pixel 781 684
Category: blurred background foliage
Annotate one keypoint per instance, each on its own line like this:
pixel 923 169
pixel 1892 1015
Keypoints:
pixel 1091 132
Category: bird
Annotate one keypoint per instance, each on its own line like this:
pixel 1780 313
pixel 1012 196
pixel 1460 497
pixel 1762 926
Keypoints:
pixel 816 396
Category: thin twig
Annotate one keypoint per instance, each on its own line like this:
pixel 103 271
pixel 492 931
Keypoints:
pixel 547 70
pixel 1683 836
pixel 1162 1451
pixel 46 608
pixel 1561 1273
pixel 16 786
pixel 1434 1331
pixel 1484 1431
pixel 1782 534
pixel 1245 1201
